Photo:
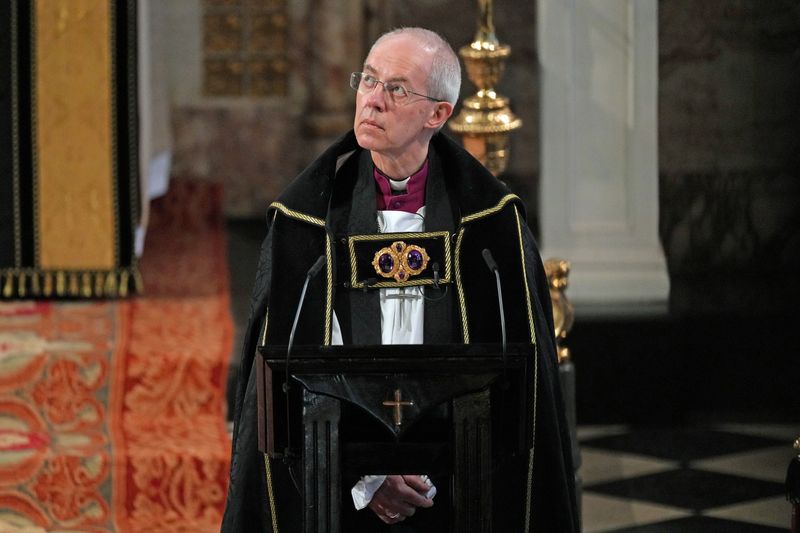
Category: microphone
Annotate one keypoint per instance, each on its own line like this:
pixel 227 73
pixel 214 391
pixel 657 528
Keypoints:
pixel 313 271
pixel 435 268
pixel 490 262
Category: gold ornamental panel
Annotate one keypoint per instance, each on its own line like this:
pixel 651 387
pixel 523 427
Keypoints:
pixel 245 47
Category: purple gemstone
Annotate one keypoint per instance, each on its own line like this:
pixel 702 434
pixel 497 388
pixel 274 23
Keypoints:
pixel 386 263
pixel 398 247
pixel 414 259
pixel 401 275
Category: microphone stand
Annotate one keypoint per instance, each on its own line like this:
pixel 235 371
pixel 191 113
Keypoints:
pixel 490 262
pixel 313 271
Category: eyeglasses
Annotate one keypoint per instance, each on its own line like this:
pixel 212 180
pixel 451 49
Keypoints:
pixel 364 83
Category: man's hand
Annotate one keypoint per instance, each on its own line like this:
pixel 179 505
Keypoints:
pixel 399 497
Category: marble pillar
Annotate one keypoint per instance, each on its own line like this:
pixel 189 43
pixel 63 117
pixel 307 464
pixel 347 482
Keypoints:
pixel 599 158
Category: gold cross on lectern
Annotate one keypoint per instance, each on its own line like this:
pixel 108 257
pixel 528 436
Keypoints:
pixel 398 405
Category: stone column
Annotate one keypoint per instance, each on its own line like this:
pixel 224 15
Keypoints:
pixel 599 160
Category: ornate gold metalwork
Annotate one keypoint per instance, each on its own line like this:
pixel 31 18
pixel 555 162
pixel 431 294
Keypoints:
pixel 397 406
pixel 557 271
pixel 401 270
pixel 486 119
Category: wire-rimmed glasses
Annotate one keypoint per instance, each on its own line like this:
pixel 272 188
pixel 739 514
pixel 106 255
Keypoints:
pixel 364 83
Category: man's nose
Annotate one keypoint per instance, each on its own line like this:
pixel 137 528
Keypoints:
pixel 376 97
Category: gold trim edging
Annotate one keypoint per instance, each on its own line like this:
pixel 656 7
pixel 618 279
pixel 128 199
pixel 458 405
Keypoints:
pixel 328 290
pixel 271 494
pixel 297 214
pixel 491 210
pixel 460 288
pixel 529 491
pixel 15 137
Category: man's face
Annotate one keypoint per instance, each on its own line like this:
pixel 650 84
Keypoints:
pixel 381 125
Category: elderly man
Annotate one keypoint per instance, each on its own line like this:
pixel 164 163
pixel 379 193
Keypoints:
pixel 394 173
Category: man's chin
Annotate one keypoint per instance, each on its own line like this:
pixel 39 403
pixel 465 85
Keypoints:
pixel 366 140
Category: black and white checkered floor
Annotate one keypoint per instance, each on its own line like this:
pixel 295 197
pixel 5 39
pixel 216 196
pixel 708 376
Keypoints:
pixel 727 478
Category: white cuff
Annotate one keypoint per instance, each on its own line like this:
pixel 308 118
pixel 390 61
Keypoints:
pixel 365 489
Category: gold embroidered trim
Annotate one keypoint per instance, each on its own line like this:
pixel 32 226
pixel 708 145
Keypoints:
pixel 448 258
pixel 525 277
pixel 34 136
pixel 15 137
pixel 529 490
pixel 270 495
pixel 328 290
pixel 297 214
pixel 486 212
pixel 33 283
pixel 460 289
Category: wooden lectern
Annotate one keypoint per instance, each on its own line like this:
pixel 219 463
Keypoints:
pixel 399 409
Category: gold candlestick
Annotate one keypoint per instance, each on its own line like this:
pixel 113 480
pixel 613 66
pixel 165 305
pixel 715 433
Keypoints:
pixel 557 271
pixel 486 118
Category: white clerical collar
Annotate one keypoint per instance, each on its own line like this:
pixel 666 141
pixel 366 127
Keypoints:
pixel 398 185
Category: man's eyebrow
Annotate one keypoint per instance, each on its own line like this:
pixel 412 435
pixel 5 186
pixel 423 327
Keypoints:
pixel 369 68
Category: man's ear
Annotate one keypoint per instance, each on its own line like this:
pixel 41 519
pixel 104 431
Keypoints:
pixel 441 112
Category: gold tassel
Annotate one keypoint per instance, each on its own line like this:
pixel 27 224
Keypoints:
pixel 123 284
pixel 111 284
pixel 86 285
pixel 98 284
pixel 61 283
pixel 21 285
pixel 35 284
pixel 8 288
pixel 73 284
pixel 138 282
pixel 48 284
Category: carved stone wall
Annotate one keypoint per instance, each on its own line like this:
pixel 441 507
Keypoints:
pixel 729 149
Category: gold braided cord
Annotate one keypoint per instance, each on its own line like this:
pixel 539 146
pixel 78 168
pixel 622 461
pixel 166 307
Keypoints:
pixel 398 284
pixel 460 289
pixel 328 290
pixel 297 215
pixel 525 278
pixel 271 495
pixel 529 490
pixel 397 236
pixel 486 212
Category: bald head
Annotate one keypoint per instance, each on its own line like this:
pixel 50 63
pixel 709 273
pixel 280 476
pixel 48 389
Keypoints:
pixel 444 78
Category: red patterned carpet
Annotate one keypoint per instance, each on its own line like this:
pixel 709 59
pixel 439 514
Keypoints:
pixel 112 413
